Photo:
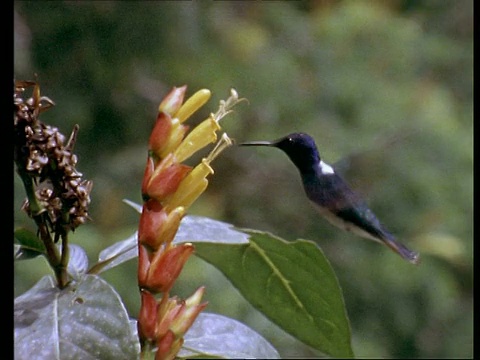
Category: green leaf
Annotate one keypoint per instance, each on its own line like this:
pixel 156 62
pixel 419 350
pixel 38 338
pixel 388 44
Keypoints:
pixel 213 335
pixel 292 283
pixel 30 245
pixel 86 320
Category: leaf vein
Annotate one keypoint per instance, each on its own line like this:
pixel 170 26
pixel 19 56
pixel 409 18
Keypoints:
pixel 286 283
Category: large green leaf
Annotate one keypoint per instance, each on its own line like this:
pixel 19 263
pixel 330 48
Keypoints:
pixel 86 320
pixel 292 283
pixel 213 335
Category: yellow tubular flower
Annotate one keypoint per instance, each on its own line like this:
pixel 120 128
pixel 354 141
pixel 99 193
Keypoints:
pixel 195 102
pixel 175 138
pixel 195 182
pixel 198 138
pixel 191 187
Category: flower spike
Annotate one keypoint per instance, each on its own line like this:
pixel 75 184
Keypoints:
pixel 168 188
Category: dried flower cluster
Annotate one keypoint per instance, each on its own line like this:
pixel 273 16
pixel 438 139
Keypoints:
pixel 43 157
pixel 169 187
pixel 57 196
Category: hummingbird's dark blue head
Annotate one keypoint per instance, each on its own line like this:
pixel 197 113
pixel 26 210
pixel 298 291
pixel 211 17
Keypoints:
pixel 299 147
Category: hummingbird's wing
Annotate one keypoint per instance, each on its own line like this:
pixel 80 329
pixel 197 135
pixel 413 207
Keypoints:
pixel 366 167
pixel 344 208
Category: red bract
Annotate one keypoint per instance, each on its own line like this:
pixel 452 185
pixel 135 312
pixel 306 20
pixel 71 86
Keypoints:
pixel 173 101
pixel 165 267
pixel 160 133
pixel 147 319
pixel 165 182
pixel 151 222
pixel 168 346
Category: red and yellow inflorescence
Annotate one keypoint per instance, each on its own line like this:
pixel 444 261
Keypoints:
pixel 169 187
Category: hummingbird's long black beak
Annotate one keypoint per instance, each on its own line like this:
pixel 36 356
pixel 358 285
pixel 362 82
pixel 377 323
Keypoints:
pixel 257 143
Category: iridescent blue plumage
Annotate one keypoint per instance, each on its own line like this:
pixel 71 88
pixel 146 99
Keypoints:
pixel 331 195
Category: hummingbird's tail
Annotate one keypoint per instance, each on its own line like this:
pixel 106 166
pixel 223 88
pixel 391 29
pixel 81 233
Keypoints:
pixel 402 250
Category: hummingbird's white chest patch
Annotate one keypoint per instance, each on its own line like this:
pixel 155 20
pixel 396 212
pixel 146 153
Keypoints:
pixel 325 168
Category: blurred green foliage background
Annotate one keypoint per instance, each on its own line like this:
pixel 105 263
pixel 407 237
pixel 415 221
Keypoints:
pixel 385 88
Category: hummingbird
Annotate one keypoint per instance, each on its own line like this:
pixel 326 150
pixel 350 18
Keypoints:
pixel 332 196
